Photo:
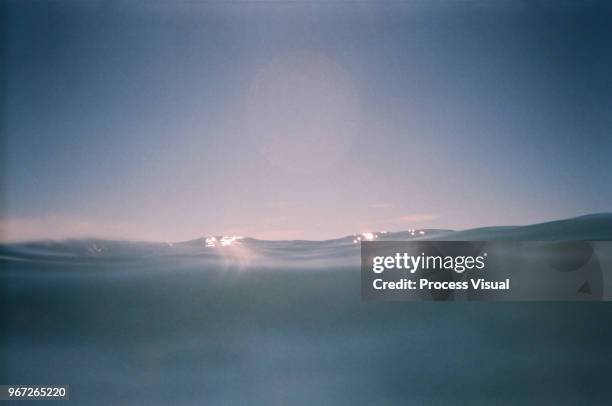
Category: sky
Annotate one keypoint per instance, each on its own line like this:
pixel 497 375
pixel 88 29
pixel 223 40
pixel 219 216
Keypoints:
pixel 300 120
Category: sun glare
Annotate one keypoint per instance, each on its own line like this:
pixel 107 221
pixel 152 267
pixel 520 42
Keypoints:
pixel 224 241
pixel 365 237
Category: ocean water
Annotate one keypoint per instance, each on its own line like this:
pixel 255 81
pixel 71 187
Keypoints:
pixel 264 322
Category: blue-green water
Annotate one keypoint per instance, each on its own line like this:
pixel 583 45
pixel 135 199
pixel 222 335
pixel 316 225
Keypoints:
pixel 142 324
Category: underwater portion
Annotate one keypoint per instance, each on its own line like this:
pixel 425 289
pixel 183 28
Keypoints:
pixel 234 320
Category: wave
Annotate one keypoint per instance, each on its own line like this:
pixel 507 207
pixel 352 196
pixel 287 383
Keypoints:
pixel 245 252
